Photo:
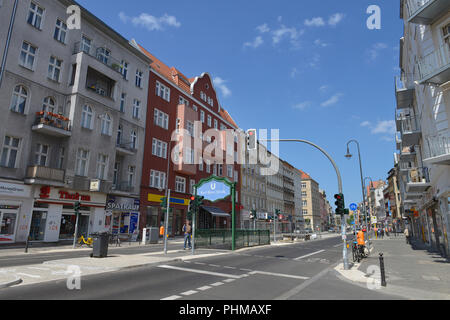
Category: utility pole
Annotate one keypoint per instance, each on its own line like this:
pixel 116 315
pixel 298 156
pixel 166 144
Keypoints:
pixel 77 207
pixel 167 221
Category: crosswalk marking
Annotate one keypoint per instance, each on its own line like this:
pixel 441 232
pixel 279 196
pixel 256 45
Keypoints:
pixel 308 255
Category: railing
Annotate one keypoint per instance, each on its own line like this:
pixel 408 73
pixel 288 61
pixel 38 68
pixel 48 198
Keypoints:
pixel 53 120
pixel 127 146
pixel 409 123
pixel 434 61
pixel 101 55
pixel 416 5
pixel 45 173
pixel 400 84
pixel 438 146
pixel 418 175
pixel 406 166
pixel 222 238
pixel 124 186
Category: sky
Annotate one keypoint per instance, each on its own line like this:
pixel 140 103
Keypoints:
pixel 312 69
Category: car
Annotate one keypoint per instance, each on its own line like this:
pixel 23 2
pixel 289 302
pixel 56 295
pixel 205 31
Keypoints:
pixel 331 230
pixel 308 230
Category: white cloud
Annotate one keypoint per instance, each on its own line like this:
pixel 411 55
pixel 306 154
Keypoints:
pixel 365 124
pixel 263 28
pixel 320 43
pixel 255 43
pixel 315 61
pixel 151 22
pixel 220 83
pixel 302 105
pixel 387 126
pixel 294 72
pixel 374 51
pixel 315 22
pixel 292 33
pixel 324 88
pixel 333 100
pixel 335 19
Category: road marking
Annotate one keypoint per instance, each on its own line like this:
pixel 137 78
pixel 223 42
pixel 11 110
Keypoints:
pixel 229 280
pixel 233 268
pixel 214 265
pixel 36 268
pixel 29 275
pixel 217 284
pixel 189 293
pixel 223 275
pixel 309 255
pixel 172 298
pixel 204 288
pixel 245 269
pixel 279 275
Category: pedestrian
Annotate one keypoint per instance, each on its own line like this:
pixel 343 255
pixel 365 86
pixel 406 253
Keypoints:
pixel 387 232
pixel 187 229
pixel 406 232
pixel 382 233
pixel 161 231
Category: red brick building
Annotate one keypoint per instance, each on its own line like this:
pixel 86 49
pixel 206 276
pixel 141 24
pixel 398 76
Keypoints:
pixel 176 103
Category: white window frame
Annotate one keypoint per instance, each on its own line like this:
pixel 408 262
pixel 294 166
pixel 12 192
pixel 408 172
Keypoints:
pixel 157 179
pixel 159 148
pixel 136 109
pixel 124 69
pixel 182 101
pixel 134 140
pixel 9 148
pixel 86 44
pixel 161 119
pixel 82 156
pixel 202 116
pixel 209 121
pixel 87 117
pixel 139 78
pixel 123 101
pixel 191 186
pixel 26 55
pixel 18 98
pixel 41 154
pixel 102 166
pixel 190 128
pixel 38 18
pixel 60 34
pixel 162 91
pixel 106 128
pixel 180 184
pixel 131 175
pixel 54 69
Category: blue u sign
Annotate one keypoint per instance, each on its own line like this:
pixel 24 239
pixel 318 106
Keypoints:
pixel 214 190
pixel 353 207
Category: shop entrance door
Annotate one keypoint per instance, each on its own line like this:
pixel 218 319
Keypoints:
pixel 37 228
pixel 8 221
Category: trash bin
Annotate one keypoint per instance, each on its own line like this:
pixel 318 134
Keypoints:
pixel 100 245
pixel 154 235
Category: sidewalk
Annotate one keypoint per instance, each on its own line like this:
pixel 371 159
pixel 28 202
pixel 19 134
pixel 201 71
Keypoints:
pixel 412 272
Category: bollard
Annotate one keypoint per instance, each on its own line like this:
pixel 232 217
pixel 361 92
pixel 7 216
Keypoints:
pixel 383 274
pixel 27 244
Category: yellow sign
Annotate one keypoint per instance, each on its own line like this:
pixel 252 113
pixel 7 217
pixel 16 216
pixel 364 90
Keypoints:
pixel 158 198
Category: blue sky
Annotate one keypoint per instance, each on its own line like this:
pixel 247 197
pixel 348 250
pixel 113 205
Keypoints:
pixel 309 68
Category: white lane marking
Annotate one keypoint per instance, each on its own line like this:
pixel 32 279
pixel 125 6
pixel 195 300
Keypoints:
pixel 172 298
pixel 279 275
pixel 229 280
pixel 214 265
pixel 189 293
pixel 309 255
pixel 204 288
pixel 217 284
pixel 245 269
pixel 233 268
pixel 29 275
pixel 223 275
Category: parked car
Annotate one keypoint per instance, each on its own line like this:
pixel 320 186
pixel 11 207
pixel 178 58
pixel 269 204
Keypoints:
pixel 308 230
pixel 331 230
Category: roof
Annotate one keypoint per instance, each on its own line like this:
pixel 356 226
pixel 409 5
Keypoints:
pixel 173 75
pixel 305 176
pixel 375 185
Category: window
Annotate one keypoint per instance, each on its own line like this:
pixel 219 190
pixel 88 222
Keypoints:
pixel 103 55
pixel 139 77
pixel 136 109
pixel 304 194
pixel 183 101
pixel 106 125
pixel 82 162
pixel 60 31
pixel 230 171
pixel 188 156
pixel 157 179
pixel 10 152
pixel 236 176
pixel 209 121
pixel 211 102
pixel 131 173
pixel 87 117
pixel 116 173
pixel 203 96
pixel 27 55
pixel 216 124
pixel 54 69
pixel 194 107
pixel 159 148
pixel 180 184
pixel 223 127
pixel 303 185
pixel 124 69
pixel 161 119
pixel 162 91
pixel 41 155
pixel 35 15
pixel 446 34
pixel 305 212
pixel 191 186
pixel 208 168
pixel 305 203
pixel 190 128
pixel 220 169
pixel 19 99
pixel 123 97
pixel 86 44
pixel 119 135
pixel 202 116
pixel 102 167
pixel 49 105
pixel 134 140
pixel 200 165
pixel 62 153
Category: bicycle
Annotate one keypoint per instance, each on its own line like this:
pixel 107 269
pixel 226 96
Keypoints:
pixel 114 239
pixel 356 252
pixel 83 241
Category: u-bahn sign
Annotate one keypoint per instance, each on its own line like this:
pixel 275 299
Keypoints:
pixel 214 189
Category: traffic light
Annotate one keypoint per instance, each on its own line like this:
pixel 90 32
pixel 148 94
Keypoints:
pixel 77 207
pixel 164 203
pixel 253 214
pixel 277 214
pixel 340 204
pixel 252 139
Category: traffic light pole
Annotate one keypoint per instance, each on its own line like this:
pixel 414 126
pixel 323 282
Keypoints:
pixel 167 221
pixel 344 223
pixel 77 213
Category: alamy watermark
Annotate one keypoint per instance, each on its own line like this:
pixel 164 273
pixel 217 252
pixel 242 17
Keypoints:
pixel 374 20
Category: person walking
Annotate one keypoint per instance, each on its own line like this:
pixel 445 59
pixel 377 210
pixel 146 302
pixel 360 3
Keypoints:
pixel 406 232
pixel 187 229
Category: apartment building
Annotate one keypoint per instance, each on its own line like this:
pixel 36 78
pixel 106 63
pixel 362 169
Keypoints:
pixel 181 110
pixel 376 203
pixel 311 202
pixel 392 199
pixel 66 94
pixel 298 215
pixel 423 112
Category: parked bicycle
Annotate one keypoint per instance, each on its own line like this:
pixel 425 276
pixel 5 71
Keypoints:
pixel 85 241
pixel 114 239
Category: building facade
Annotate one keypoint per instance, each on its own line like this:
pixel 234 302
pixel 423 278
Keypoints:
pixel 63 106
pixel 423 112
pixel 311 202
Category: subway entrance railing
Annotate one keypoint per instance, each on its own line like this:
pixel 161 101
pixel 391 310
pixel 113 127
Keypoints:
pixel 222 238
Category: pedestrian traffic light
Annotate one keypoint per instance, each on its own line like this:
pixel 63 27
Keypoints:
pixel 340 204
pixel 77 207
pixel 252 139
pixel 164 203
pixel 253 214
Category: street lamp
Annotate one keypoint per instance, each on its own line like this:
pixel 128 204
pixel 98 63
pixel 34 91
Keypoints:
pixel 349 156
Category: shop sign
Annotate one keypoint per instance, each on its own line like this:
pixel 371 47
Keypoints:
pixel 17 190
pixel 73 196
pixel 123 204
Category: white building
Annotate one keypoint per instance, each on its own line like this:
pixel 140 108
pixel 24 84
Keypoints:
pixel 423 103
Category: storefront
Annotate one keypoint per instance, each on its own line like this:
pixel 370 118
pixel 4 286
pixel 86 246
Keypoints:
pixel 15 205
pixel 122 215
pixel 53 215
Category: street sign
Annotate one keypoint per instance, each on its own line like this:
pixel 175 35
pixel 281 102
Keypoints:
pixel 214 189
pixel 353 207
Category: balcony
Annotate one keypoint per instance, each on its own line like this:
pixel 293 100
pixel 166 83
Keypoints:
pixel 398 142
pixel 126 149
pixel 405 168
pixel 45 175
pixel 101 54
pixel 403 94
pixel 52 124
pixel 407 155
pixel 427 11
pixel 438 150
pixel 434 68
pixel 122 187
pixel 417 181
pixel 410 129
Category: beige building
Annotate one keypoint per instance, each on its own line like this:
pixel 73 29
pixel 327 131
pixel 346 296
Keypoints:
pixel 311 209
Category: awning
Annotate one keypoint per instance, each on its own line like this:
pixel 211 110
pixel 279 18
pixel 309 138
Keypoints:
pixel 217 212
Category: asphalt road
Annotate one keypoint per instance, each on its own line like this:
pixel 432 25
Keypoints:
pixel 298 271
